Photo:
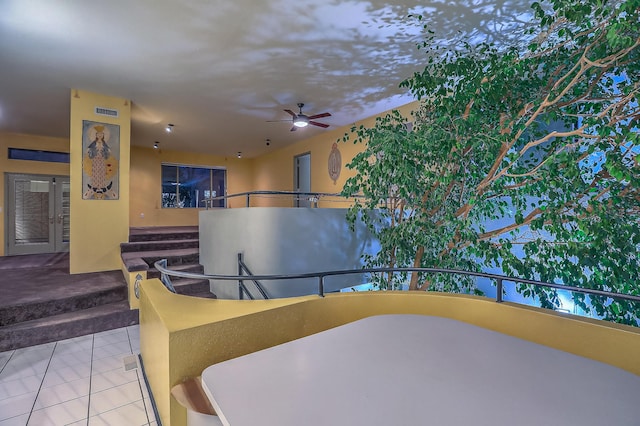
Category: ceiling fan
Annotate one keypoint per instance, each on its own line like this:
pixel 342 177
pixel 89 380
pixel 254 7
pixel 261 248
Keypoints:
pixel 302 120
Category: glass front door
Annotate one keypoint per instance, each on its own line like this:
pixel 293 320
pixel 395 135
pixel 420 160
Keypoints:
pixel 37 214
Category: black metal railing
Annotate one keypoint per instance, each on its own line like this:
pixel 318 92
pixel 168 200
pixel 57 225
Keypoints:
pixel 242 269
pixel 312 198
pixel 321 276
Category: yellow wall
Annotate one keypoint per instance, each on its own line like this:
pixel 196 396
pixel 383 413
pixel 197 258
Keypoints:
pixel 274 171
pixel 97 226
pixel 144 188
pixel 180 335
pixel 12 140
pixel 146 184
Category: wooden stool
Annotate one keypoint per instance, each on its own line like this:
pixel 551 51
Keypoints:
pixel 199 409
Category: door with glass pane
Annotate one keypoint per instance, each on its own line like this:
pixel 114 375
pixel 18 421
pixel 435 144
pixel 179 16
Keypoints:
pixel 37 214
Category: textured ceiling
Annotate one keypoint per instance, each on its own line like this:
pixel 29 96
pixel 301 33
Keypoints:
pixel 219 70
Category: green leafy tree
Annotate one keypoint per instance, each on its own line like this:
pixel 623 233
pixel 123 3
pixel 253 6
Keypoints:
pixel 524 159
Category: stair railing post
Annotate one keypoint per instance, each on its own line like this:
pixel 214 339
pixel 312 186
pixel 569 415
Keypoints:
pixel 240 270
pixel 248 200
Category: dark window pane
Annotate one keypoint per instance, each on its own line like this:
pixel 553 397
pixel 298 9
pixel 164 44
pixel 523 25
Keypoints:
pixel 37 155
pixel 169 186
pixel 194 183
pixel 219 177
pixel 184 186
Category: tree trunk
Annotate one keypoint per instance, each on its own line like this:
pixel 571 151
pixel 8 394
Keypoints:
pixel 413 284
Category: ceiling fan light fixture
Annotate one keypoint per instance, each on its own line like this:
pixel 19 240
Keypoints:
pixel 301 121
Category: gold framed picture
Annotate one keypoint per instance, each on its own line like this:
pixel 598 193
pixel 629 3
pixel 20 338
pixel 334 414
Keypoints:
pixel 100 155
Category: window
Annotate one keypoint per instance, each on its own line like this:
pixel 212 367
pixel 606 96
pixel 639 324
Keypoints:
pixel 38 155
pixel 188 186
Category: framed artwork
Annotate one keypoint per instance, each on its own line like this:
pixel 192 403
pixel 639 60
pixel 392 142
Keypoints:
pixel 100 155
pixel 335 163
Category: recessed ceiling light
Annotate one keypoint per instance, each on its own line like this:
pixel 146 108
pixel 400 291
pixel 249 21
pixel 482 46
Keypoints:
pixel 169 128
pixel 156 145
pixel 239 154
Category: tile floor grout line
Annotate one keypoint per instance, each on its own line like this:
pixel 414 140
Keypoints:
pixel 6 363
pixel 49 369
pixel 93 339
pixel 144 404
pixel 41 382
pixel 117 408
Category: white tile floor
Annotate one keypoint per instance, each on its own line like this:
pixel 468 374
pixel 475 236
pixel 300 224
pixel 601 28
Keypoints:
pixel 80 381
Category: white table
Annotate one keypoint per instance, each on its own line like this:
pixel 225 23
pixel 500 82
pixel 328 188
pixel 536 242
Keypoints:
pixel 419 370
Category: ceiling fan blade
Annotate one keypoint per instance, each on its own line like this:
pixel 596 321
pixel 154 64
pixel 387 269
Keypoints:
pixel 294 128
pixel 293 114
pixel 324 114
pixel 315 123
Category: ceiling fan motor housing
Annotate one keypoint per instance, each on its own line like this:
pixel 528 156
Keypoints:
pixel 301 120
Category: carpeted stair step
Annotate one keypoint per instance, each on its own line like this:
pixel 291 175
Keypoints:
pixel 67 325
pixel 39 309
pixel 143 260
pixel 159 245
pixel 204 295
pixel 187 286
pixel 179 245
pixel 164 236
pixel 163 233
pixel 195 268
pixel 191 286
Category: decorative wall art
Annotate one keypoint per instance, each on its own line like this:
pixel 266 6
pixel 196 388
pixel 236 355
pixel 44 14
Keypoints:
pixel 101 152
pixel 335 163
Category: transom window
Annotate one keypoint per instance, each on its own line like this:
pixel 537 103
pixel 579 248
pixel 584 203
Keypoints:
pixel 190 186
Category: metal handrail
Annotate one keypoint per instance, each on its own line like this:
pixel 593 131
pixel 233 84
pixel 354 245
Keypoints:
pixel 316 195
pixel 161 265
pixel 322 275
pixel 242 267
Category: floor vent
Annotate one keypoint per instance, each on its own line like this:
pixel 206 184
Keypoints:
pixel 130 362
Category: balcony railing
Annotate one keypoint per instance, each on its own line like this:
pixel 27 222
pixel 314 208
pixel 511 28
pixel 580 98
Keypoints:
pixel 321 277
pixel 287 198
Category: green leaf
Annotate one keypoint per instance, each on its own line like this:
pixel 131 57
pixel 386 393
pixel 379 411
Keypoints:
pixel 483 146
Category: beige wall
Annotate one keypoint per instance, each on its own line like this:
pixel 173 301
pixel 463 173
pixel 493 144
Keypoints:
pixel 12 140
pixel 146 182
pixel 97 226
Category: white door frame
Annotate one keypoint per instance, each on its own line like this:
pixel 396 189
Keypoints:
pixel 56 216
pixel 302 178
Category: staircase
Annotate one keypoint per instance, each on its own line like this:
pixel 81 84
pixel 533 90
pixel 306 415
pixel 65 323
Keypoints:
pixel 179 245
pixel 42 302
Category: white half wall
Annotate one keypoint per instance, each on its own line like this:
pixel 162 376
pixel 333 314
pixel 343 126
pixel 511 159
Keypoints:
pixel 278 241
